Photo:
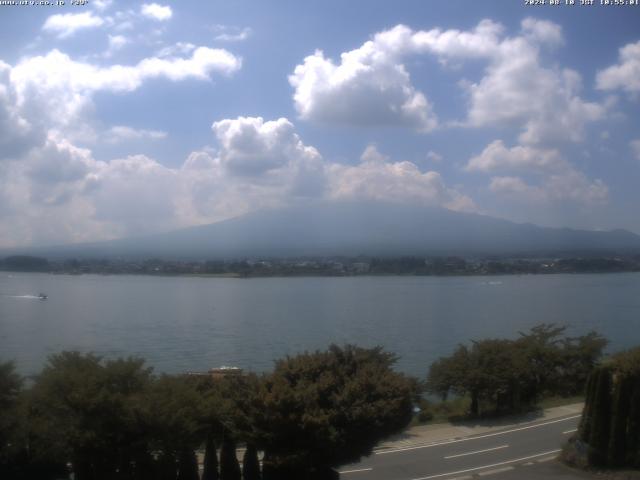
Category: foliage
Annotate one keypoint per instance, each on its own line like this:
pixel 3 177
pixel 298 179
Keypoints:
pixel 611 418
pixel 250 464
pixel 331 407
pixel 513 375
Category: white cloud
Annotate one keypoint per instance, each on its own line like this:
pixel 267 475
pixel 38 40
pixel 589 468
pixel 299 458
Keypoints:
pixel 542 31
pixel 517 90
pixel 17 134
pixel 58 88
pixel 370 86
pixel 496 156
pixel 434 156
pixel 376 178
pixel 228 33
pixel 516 187
pixel 66 24
pixel 58 192
pixel 116 42
pixel 156 12
pixel 101 5
pixel 121 133
pixel 251 146
pixel 635 148
pixel 625 75
pixel 179 48
pixel 556 179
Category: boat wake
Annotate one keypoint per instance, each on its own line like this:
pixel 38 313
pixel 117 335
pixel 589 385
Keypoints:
pixel 28 297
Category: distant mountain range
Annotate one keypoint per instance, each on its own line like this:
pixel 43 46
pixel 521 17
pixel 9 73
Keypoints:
pixel 351 229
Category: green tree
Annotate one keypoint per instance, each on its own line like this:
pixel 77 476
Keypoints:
pixel 327 408
pixel 229 466
pixel 611 416
pixel 210 471
pixel 86 411
pixel 250 464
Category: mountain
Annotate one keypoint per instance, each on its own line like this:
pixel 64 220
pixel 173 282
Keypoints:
pixel 353 228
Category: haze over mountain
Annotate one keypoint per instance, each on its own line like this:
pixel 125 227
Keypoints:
pixel 356 228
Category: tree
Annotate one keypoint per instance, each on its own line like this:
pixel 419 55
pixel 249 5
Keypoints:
pixel 513 375
pixel 86 411
pixel 250 464
pixel 210 471
pixel 327 408
pixel 229 466
pixel 611 415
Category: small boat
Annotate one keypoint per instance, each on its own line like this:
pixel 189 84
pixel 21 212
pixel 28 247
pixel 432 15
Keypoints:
pixel 42 296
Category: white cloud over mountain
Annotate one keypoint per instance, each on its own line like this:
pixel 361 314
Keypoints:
pixel 556 179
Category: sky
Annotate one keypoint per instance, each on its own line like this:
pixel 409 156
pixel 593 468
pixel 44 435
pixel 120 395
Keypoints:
pixel 128 118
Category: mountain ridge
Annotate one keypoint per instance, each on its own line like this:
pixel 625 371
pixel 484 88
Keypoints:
pixel 356 228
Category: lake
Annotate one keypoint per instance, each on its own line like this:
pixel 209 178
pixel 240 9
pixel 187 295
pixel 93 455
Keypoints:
pixel 186 323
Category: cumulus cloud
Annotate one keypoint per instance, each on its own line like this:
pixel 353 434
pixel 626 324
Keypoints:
pixel 229 33
pixel 371 85
pixel 59 192
pixel 375 177
pixel 179 48
pixel 496 156
pixel 542 31
pixel 518 90
pixel 434 156
pixel 251 146
pixel 121 133
pixel 101 5
pixel 156 11
pixel 625 75
pixel 66 24
pixel 516 187
pixel 556 179
pixel 17 134
pixel 58 88
pixel 116 42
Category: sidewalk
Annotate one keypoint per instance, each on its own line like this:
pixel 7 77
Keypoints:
pixel 440 432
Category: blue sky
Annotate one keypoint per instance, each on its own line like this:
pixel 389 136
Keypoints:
pixel 122 118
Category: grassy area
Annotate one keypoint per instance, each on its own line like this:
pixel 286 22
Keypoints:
pixel 458 409
pixel 552 402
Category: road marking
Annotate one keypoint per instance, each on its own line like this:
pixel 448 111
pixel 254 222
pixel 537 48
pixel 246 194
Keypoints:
pixel 569 431
pixel 477 451
pixel 356 471
pixel 488 466
pixel 447 442
pixel 494 471
pixel 546 459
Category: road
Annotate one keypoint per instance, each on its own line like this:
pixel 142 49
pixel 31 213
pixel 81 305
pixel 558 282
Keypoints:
pixel 506 451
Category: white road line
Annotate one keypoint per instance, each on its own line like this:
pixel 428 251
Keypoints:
pixel 495 470
pixel 487 466
pixel 569 431
pixel 356 471
pixel 477 451
pixel 447 442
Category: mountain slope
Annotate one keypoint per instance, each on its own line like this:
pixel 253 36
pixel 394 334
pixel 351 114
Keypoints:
pixel 359 229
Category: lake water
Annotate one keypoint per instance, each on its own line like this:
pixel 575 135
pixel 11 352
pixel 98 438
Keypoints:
pixel 182 323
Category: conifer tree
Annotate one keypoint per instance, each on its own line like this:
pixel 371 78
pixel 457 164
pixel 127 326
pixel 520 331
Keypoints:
pixel 250 464
pixel 229 466
pixel 210 471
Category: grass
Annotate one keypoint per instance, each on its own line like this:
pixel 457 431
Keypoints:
pixel 458 409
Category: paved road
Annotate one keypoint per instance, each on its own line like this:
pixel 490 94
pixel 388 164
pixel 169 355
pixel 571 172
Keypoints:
pixel 506 452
